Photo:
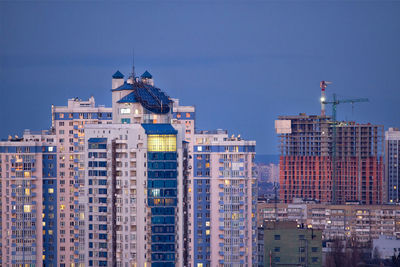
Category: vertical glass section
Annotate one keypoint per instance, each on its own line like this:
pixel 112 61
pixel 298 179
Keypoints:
pixel 162 198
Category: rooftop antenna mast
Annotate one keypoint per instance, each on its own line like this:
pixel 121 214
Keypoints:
pixel 133 66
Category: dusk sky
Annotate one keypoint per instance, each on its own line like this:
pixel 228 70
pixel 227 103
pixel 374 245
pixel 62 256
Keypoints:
pixel 241 63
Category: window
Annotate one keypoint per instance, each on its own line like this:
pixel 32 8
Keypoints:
pixel 61 123
pixel 277 237
pixel 314 249
pixel 125 121
pixel 277 249
pixel 314 259
pixel 125 110
pixel 277 259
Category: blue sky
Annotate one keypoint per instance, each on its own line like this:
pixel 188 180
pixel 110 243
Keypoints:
pixel 241 63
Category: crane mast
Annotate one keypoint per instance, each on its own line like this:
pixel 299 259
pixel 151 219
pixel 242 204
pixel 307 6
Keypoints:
pixel 334 104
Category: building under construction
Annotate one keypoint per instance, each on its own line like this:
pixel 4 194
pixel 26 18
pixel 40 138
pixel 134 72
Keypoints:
pixel 332 162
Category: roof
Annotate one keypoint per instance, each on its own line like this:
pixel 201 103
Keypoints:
pixel 97 140
pixel 151 98
pixel 124 86
pixel 130 98
pixel 118 75
pixel 147 75
pixel 159 128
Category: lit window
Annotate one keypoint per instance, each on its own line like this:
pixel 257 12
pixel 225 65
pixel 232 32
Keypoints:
pixel 207 232
pixel 62 207
pixel 199 148
pixel 27 191
pixel 125 110
pixel 27 174
pixel 50 149
pixel 50 232
pixel 61 115
pixel 27 208
pixel 227 182
pixel 51 190
pixel 44 223
pixel 157 142
pixel 207 223
pixel 188 115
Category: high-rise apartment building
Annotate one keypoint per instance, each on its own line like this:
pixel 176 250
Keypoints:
pixel 28 179
pixel 68 123
pixel 134 180
pixel 224 194
pixel 392 169
pixel 310 169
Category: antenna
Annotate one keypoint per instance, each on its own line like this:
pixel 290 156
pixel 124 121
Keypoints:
pixel 133 66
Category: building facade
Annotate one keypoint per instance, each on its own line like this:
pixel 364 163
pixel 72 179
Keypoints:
pixel 68 123
pixel 313 165
pixel 224 194
pixel 28 200
pixel 287 244
pixel 361 222
pixel 392 169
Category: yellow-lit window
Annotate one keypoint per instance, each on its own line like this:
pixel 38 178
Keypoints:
pixel 82 216
pixel 178 115
pixel 71 157
pixel 199 264
pixel 43 214
pixel 187 115
pixel 50 232
pixel 156 142
pixel 27 208
pixel 43 257
pixel 27 174
pixel 207 223
pixel 51 190
pixel 61 115
pixel 227 182
pixel 27 191
pixel 207 232
pixel 44 223
pixel 62 207
pixel 208 165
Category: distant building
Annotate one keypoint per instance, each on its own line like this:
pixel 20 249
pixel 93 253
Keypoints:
pixel 361 222
pixel 385 247
pixel 392 167
pixel 287 243
pixel 309 169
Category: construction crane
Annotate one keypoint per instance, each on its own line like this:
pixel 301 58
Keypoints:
pixel 334 104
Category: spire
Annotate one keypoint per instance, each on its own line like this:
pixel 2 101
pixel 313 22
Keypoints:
pixel 118 75
pixel 133 66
